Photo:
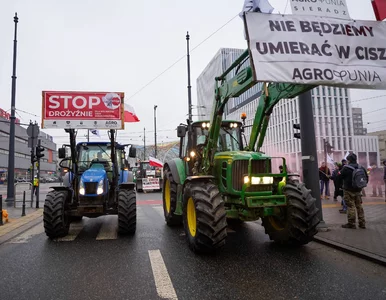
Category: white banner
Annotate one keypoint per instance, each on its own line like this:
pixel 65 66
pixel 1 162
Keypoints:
pixel 318 51
pixel 150 184
pixel 322 8
pixel 79 124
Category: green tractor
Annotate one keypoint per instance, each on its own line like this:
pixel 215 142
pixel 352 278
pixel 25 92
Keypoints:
pixel 218 179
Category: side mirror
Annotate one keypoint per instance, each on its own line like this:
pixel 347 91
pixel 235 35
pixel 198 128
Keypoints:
pixel 62 152
pixel 132 152
pixel 181 131
pixel 65 163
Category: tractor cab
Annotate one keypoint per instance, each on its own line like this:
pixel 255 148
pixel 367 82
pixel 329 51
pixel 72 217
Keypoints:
pixel 194 142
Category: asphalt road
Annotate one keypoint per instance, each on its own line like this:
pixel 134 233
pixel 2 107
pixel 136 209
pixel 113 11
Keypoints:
pixel 94 263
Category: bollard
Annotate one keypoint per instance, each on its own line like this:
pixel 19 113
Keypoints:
pixel 23 209
pixel 1 210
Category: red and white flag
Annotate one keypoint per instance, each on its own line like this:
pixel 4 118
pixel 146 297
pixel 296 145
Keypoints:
pixel 155 162
pixel 130 115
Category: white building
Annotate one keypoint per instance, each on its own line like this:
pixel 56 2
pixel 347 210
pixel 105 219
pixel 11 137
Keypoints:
pixel 332 111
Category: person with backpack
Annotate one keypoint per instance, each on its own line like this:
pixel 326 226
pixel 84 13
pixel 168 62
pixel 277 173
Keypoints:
pixel 354 178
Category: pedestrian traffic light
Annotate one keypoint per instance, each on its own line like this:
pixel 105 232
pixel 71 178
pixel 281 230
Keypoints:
pixel 328 147
pixel 297 134
pixel 39 150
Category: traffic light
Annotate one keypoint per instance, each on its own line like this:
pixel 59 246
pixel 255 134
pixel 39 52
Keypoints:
pixel 328 147
pixel 39 154
pixel 297 134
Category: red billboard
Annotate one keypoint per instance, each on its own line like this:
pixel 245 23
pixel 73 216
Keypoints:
pixel 7 116
pixel 83 110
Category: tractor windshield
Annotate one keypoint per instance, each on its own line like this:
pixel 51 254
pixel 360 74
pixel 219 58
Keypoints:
pixel 93 153
pixel 229 137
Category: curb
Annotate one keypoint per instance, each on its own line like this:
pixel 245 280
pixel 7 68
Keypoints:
pixel 19 230
pixel 351 250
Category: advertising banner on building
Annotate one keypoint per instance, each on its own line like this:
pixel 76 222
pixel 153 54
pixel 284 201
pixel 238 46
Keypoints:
pixel 83 110
pixel 322 8
pixel 318 51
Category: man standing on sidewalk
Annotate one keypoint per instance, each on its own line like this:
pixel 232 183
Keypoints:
pixel 354 178
pixel 324 178
pixel 36 184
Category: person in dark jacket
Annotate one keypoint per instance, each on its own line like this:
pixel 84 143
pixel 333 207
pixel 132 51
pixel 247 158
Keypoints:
pixel 338 191
pixel 324 177
pixel 352 195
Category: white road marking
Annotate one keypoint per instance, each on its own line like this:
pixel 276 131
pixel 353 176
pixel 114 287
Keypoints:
pixel 162 279
pixel 109 229
pixel 24 237
pixel 75 229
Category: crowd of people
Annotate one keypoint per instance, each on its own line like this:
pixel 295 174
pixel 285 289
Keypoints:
pixel 350 180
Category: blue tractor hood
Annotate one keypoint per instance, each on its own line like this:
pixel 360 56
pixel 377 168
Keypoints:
pixel 95 174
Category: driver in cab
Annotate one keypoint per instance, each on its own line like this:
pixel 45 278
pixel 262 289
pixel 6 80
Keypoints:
pixel 102 160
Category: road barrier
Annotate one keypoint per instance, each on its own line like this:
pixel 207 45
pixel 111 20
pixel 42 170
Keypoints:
pixel 30 188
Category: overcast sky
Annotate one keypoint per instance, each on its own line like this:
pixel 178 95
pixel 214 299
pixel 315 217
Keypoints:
pixel 120 45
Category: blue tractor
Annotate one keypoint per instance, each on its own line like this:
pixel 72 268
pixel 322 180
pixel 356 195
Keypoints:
pixel 97 182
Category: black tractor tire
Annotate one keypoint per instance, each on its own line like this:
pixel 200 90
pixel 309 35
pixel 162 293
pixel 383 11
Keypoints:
pixel 76 218
pixel 127 212
pixel 137 189
pixel 55 218
pixel 169 195
pixel 297 223
pixel 210 217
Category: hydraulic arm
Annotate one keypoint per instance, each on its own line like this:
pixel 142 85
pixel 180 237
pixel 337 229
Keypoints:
pixel 225 89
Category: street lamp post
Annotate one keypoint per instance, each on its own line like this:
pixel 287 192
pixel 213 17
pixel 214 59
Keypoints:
pixel 11 158
pixel 189 86
pixel 155 131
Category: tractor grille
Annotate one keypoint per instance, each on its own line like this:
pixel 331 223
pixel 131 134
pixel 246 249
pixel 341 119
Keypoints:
pixel 90 187
pixel 240 169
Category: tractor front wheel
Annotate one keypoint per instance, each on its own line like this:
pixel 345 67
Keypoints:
pixel 204 217
pixel 127 212
pixel 55 218
pixel 296 223
pixel 169 199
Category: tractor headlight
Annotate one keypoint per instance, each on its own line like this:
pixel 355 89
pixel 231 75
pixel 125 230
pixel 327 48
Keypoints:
pixel 81 188
pixel 100 187
pixel 259 180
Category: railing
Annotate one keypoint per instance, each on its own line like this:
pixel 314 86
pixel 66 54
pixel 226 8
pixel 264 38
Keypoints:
pixel 30 188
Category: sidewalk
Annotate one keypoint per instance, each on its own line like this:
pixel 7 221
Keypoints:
pixel 370 242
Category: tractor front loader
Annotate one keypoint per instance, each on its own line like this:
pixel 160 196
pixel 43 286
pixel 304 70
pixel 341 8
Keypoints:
pixel 218 178
pixel 97 183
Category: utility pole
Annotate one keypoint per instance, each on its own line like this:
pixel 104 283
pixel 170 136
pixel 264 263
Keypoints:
pixel 155 131
pixel 11 158
pixel 189 86
pixel 309 153
pixel 144 143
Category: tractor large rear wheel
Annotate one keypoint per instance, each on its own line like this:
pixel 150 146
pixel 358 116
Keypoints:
pixel 55 218
pixel 296 224
pixel 169 199
pixel 204 217
pixel 127 212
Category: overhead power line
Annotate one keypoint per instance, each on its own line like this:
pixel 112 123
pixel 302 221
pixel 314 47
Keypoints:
pixel 181 58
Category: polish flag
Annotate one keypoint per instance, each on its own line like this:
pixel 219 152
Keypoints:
pixel 130 115
pixel 155 162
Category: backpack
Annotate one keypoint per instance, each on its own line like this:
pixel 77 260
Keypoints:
pixel 359 179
